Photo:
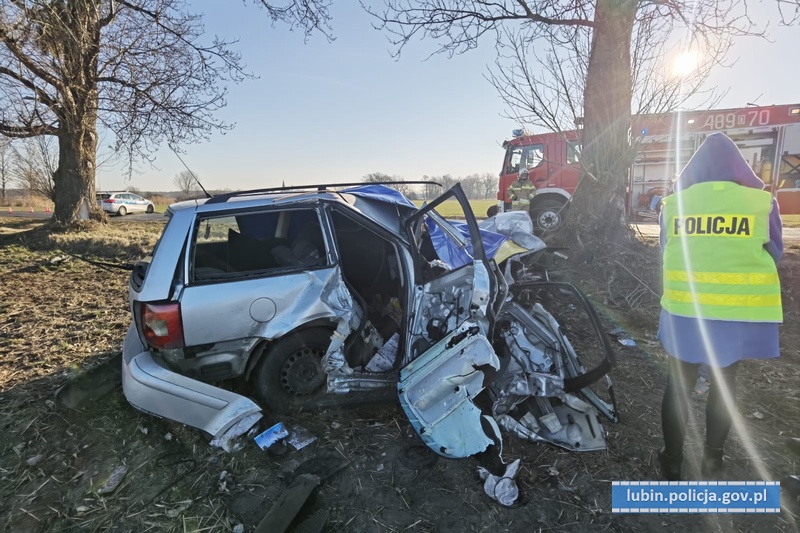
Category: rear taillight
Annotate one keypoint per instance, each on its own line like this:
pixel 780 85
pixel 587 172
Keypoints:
pixel 162 326
pixel 108 201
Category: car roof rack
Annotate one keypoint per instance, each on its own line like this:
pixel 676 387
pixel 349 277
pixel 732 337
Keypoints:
pixel 222 198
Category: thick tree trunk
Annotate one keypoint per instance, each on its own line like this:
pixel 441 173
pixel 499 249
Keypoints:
pixel 75 176
pixel 77 141
pixel 597 214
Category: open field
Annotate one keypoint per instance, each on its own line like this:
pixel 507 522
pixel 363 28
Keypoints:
pixel 451 209
pixel 791 221
pixel 61 316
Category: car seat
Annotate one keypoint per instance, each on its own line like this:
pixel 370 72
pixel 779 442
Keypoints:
pixel 305 250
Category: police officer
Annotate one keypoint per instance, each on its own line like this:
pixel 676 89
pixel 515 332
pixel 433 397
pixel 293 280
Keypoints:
pixel 521 192
pixel 721 241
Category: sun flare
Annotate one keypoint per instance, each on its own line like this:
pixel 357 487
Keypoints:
pixel 685 64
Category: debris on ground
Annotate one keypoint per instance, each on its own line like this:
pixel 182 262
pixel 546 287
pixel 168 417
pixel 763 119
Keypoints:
pixel 114 480
pixel 35 460
pixel 229 439
pixel 502 489
pixel 299 437
pixel 288 504
pixel 272 436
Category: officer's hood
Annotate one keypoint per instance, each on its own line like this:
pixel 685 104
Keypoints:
pixel 717 159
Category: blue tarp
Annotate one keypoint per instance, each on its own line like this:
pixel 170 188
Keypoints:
pixel 382 193
pixel 454 256
pixel 446 249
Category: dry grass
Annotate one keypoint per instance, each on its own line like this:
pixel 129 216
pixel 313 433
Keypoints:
pixel 123 242
pixel 60 317
pixel 451 208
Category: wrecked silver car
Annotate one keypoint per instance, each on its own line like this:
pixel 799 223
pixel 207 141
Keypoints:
pixel 319 296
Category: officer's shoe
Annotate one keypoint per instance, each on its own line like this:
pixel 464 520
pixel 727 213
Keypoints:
pixel 670 465
pixel 794 445
pixel 712 468
pixel 791 485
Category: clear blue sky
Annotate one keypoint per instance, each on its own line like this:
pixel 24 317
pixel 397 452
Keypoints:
pixel 333 112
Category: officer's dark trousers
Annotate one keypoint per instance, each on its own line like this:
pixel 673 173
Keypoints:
pixel 675 405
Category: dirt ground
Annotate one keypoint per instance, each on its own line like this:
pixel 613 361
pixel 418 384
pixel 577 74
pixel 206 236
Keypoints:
pixel 61 317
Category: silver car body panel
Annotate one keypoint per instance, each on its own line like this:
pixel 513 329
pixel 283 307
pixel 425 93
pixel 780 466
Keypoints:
pixel 436 392
pixel 437 387
pixel 575 431
pixel 158 284
pixel 154 389
pixel 540 358
pixel 265 308
pixel 232 353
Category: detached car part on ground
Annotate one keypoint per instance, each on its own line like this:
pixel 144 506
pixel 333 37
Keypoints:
pixel 313 296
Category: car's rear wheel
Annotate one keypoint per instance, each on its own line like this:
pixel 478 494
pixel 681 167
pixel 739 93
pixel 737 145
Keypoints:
pixel 122 211
pixel 290 374
pixel 150 208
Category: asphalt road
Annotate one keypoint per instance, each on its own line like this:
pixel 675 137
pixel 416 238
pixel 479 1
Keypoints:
pixel 135 217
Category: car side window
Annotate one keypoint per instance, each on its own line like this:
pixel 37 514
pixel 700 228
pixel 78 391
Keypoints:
pixel 253 244
pixel 444 245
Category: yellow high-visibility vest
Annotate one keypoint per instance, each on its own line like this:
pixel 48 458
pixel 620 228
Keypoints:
pixel 521 193
pixel 715 265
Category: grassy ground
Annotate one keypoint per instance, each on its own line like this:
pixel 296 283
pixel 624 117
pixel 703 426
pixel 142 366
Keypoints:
pixel 451 208
pixel 61 316
pixel 791 221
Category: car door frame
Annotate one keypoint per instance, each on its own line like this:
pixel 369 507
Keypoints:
pixel 480 262
pixel 443 414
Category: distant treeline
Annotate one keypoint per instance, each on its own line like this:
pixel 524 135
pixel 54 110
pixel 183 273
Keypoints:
pixel 476 186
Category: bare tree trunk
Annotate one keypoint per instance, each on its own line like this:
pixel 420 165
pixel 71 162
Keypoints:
pixel 74 178
pixel 597 214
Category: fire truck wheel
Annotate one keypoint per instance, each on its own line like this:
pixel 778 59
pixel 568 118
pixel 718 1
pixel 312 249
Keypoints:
pixel 547 214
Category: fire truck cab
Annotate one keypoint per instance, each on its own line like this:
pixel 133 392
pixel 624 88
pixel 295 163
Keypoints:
pixel 768 137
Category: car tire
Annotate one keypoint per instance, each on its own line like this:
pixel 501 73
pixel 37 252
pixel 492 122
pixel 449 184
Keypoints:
pixel 122 211
pixel 149 209
pixel 547 214
pixel 289 376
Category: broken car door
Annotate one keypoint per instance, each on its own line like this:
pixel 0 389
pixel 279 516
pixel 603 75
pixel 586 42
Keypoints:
pixel 448 359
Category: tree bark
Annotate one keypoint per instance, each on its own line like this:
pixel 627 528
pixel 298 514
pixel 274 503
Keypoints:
pixel 74 179
pixel 75 176
pixel 597 214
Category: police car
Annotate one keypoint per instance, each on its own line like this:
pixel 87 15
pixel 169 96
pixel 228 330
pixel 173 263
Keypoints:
pixel 122 203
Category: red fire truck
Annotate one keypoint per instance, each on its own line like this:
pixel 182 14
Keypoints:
pixel 768 137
